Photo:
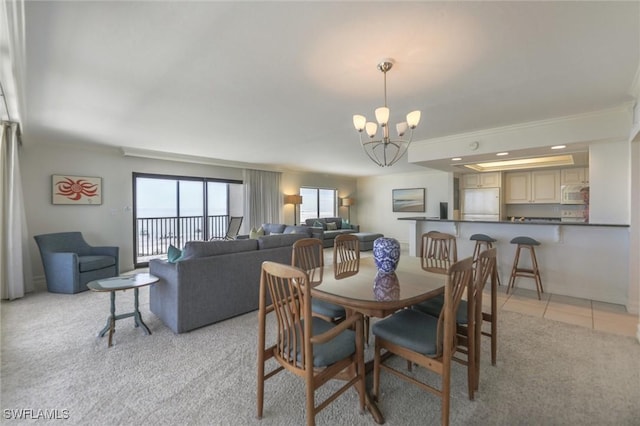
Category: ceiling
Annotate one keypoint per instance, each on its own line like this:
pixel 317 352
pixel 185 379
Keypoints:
pixel 276 83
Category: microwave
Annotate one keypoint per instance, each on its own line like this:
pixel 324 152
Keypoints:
pixel 570 194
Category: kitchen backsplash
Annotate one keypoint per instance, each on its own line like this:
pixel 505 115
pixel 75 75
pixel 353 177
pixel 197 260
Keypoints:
pixel 539 210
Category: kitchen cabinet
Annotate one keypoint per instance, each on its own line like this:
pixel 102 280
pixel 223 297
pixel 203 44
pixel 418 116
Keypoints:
pixel 574 176
pixel 482 180
pixel 538 187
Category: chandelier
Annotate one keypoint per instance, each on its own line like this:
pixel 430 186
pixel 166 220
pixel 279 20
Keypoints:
pixel 385 151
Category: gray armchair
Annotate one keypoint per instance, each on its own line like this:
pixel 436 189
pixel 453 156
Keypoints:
pixel 70 263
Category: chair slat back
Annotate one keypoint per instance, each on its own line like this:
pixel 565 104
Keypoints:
pixel 346 256
pixel 286 285
pixel 438 251
pixel 459 277
pixel 308 255
pixel 234 227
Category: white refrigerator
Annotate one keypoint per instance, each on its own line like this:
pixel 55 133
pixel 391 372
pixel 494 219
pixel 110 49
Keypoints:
pixel 481 204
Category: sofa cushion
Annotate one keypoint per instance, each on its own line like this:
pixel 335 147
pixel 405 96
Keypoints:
pixel 273 228
pixel 194 249
pixel 255 233
pixel 272 241
pixel 332 226
pixel 174 254
pixel 305 230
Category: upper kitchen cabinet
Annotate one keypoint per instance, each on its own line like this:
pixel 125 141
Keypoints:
pixel 574 176
pixel 482 180
pixel 538 187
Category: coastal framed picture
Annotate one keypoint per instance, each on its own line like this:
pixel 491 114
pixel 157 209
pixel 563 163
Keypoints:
pixel 408 200
pixel 80 190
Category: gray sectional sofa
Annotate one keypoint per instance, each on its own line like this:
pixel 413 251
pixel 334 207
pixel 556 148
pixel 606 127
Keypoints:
pixel 320 229
pixel 214 280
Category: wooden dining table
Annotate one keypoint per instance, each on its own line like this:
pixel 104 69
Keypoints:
pixel 380 295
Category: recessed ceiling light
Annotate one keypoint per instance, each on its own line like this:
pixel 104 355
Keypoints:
pixel 500 154
pixel 456 159
pixel 524 163
pixel 559 147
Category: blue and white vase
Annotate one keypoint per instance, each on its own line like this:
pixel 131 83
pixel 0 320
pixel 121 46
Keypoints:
pixel 386 254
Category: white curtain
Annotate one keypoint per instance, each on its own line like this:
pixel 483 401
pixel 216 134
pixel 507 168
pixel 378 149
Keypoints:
pixel 262 197
pixel 15 264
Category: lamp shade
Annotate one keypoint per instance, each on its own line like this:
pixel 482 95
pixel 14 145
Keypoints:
pixel 347 202
pixel 293 199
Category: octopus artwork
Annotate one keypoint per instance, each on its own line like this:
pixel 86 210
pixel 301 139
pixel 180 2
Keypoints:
pixel 75 189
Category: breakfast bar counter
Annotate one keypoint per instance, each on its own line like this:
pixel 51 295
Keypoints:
pixel 583 260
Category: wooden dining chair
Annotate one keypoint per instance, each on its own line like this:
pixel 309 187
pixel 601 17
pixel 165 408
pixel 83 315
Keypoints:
pixel 438 251
pixel 468 332
pixel 423 339
pixel 308 346
pixel 346 263
pixel 346 256
pixel 308 255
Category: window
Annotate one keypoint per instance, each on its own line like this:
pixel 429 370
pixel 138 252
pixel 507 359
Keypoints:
pixel 317 202
pixel 171 210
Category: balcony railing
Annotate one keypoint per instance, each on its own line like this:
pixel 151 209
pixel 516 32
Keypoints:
pixel 155 234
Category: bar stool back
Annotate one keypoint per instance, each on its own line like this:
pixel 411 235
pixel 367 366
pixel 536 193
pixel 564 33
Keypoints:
pixel 529 244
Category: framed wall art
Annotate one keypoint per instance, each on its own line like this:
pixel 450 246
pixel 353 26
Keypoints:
pixel 80 190
pixel 408 200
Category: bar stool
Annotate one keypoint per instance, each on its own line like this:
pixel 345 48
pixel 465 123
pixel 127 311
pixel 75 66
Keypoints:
pixel 534 272
pixel 483 242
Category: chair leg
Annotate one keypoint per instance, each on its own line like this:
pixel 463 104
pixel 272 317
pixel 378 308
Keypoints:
pixel 536 272
pixel 376 371
pixel 512 279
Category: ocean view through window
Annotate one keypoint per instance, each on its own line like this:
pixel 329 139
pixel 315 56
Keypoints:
pixel 171 210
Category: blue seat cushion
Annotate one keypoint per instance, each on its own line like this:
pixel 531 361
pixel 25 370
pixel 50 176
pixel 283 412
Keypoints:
pixel 525 240
pixel 91 263
pixel 336 349
pixel 327 309
pixel 411 329
pixel 482 237
pixel 434 305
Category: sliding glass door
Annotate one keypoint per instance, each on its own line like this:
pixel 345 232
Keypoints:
pixel 171 210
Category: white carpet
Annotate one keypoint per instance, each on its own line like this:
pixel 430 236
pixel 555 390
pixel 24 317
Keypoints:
pixel 548 373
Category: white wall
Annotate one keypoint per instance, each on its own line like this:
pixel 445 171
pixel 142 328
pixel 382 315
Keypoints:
pixel 374 201
pixel 609 179
pixel 112 222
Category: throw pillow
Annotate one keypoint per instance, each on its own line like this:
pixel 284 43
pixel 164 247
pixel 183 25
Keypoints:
pixel 254 234
pixel 174 254
pixel 332 226
pixel 317 224
pixel 345 224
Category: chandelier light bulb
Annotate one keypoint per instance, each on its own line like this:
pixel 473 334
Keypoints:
pixel 413 118
pixel 382 116
pixel 401 128
pixel 372 128
pixel 359 121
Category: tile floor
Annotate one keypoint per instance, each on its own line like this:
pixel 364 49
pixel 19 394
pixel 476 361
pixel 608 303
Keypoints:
pixel 601 316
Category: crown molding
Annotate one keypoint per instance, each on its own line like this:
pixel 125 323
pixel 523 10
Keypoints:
pixel 184 158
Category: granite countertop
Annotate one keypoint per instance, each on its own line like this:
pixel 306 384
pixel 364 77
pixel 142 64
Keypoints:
pixel 529 221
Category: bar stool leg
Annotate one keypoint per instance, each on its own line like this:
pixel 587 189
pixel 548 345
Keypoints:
pixel 536 272
pixel 512 279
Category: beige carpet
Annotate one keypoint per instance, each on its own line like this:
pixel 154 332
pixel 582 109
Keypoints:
pixel 548 373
